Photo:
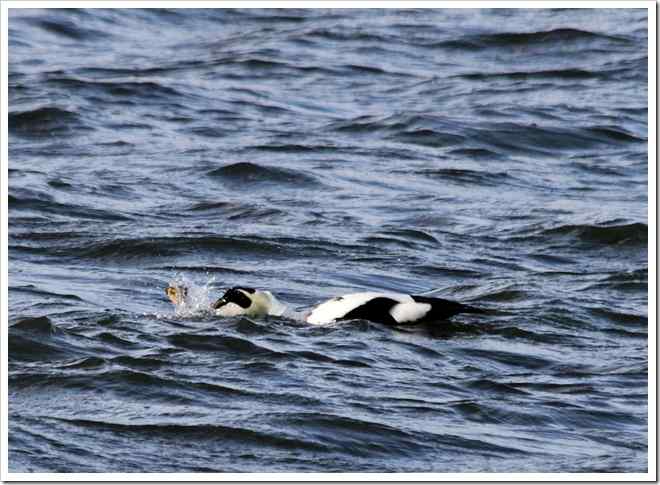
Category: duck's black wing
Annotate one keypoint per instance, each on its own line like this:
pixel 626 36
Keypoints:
pixel 375 310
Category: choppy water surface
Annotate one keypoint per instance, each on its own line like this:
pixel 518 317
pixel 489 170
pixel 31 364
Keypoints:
pixel 498 156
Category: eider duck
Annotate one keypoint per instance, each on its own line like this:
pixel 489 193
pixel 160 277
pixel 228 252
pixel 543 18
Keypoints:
pixel 248 301
pixel 387 308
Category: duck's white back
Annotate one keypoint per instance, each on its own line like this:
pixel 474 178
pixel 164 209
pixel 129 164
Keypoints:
pixel 336 308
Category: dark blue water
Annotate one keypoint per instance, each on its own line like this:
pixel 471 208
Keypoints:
pixel 496 156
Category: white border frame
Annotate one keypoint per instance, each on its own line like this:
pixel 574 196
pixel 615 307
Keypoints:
pixel 650 476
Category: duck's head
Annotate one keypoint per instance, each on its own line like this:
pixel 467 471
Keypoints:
pixel 177 294
pixel 235 301
pixel 247 301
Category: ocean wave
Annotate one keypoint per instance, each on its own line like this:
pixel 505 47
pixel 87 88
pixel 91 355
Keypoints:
pixel 46 121
pixel 31 200
pixel 237 211
pixel 633 234
pixel 118 89
pixel 466 176
pixel 619 317
pixel 36 292
pixel 68 29
pixel 567 73
pixel 227 344
pixel 345 35
pixel 527 39
pixel 128 249
pixel 491 138
pixel 36 324
pixel 205 432
pixel 246 173
pixel 38 339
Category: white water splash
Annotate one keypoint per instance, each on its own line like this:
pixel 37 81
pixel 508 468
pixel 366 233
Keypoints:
pixel 199 298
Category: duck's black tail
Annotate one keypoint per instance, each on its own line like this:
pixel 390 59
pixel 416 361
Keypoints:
pixel 442 309
pixel 473 309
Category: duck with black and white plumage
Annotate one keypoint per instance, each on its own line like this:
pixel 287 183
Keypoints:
pixel 387 308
